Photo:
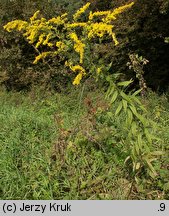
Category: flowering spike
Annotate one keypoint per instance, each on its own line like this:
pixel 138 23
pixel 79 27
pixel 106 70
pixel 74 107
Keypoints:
pixel 35 16
pixel 81 11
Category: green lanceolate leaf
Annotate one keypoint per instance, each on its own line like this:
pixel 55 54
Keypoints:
pixel 124 105
pixel 148 136
pixel 108 78
pixel 114 97
pixel 135 99
pixel 110 114
pixel 137 149
pixel 129 117
pixel 126 97
pixel 119 108
pixel 151 168
pixel 137 92
pixel 141 118
pixel 110 91
pixel 134 128
pixel 134 111
pixel 139 141
pixel 125 83
pixel 133 155
pixel 109 66
pixel 157 153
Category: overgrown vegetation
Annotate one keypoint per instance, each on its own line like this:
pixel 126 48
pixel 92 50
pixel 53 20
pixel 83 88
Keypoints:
pixel 59 147
pixel 75 146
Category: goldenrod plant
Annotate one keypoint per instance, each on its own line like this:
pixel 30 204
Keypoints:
pixel 61 35
pixel 72 40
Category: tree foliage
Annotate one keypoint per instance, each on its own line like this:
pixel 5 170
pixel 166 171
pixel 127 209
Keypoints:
pixel 142 31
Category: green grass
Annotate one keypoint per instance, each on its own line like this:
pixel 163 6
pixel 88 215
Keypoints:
pixel 52 148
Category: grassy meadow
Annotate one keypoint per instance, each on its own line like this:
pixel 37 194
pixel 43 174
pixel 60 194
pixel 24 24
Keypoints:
pixel 62 146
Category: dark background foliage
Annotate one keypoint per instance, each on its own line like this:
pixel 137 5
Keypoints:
pixel 141 30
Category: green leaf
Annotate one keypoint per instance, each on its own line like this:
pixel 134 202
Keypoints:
pixel 140 141
pixel 126 97
pixel 119 108
pixel 166 186
pixel 124 105
pixel 148 136
pixel 109 66
pixel 134 111
pixel 125 83
pixel 129 117
pixel 110 114
pixel 108 78
pixel 133 155
pixel 110 91
pixel 151 168
pixel 139 103
pixel 134 128
pixel 157 153
pixel 114 97
pixel 137 149
pixel 137 92
pixel 142 119
pixel 136 100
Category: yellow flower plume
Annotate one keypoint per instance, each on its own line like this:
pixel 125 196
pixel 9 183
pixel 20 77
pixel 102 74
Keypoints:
pixel 78 46
pixel 59 20
pixel 78 79
pixel 112 16
pixel 76 68
pixel 35 16
pixel 16 25
pixel 81 11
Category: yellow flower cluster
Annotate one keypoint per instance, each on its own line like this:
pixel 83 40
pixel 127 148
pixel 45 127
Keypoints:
pixel 98 13
pixel 81 11
pixel 78 46
pixel 100 29
pixel 114 38
pixel 61 46
pixel 78 24
pixel 112 16
pixel 32 32
pixel 16 24
pixel 76 68
pixel 78 79
pixel 43 55
pixel 40 41
pixel 80 74
pixel 99 69
pixel 35 16
pixel 46 41
pixel 59 20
